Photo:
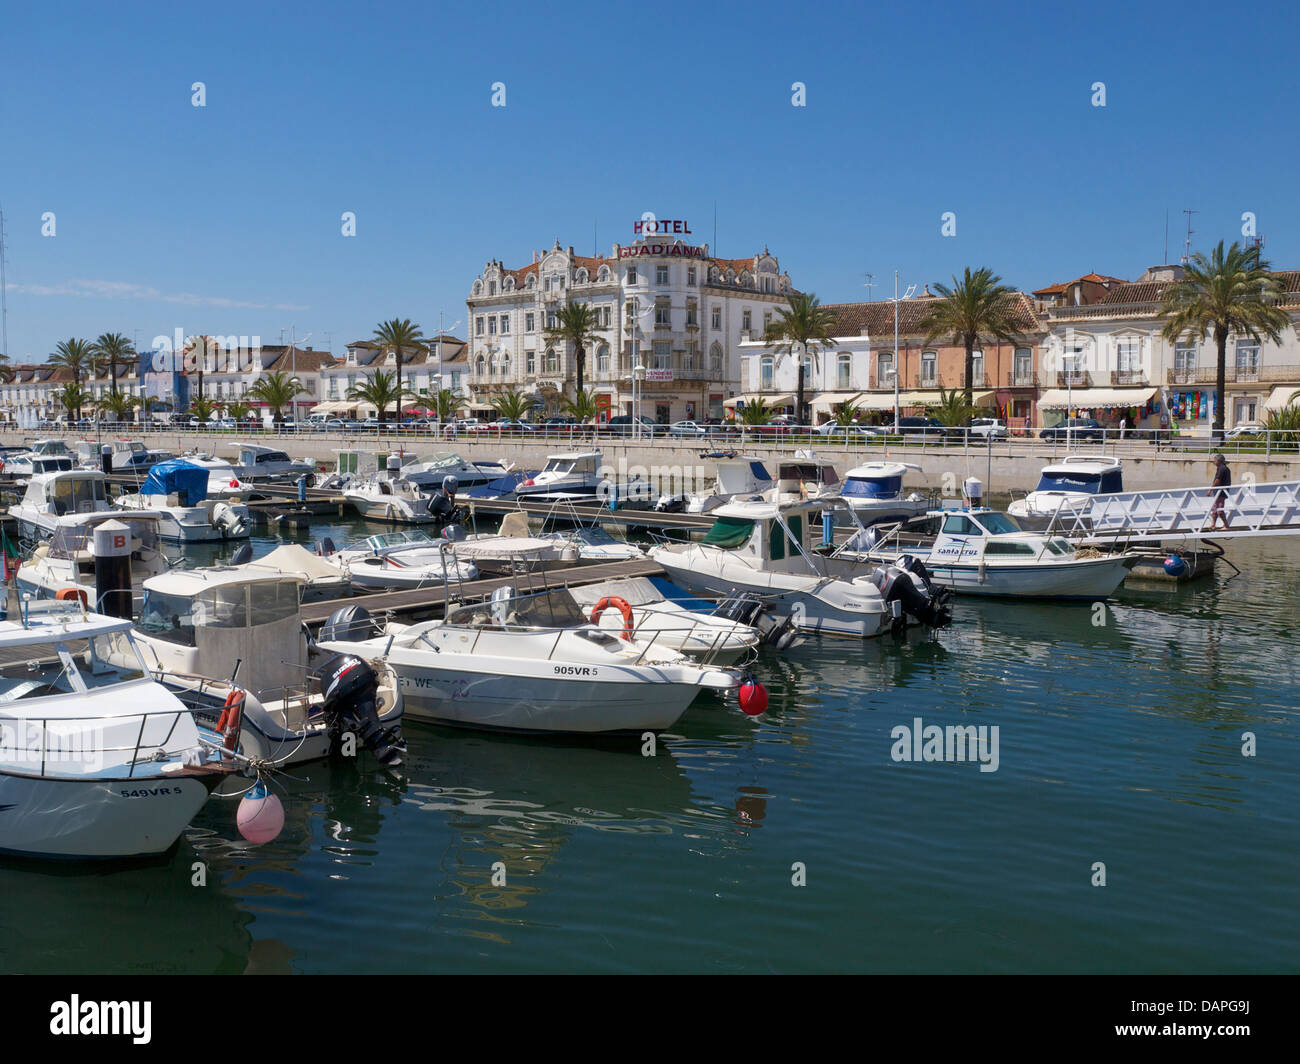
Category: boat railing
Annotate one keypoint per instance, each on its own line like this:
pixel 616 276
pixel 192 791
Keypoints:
pixel 67 748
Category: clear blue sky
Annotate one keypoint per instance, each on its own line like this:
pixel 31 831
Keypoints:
pixel 226 219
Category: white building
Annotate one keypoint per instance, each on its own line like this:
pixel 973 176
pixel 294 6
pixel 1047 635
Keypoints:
pixel 683 311
pixel 425 373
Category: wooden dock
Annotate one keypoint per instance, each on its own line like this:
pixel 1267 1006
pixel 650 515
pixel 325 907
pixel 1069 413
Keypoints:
pixel 426 603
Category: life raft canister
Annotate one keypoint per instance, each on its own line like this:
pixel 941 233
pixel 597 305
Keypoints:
pixel 619 604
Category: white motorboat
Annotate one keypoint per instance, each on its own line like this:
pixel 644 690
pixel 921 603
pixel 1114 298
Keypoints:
pixel 321 581
pixel 804 475
pixel 223 481
pixel 573 476
pixel 594 544
pixel 1065 490
pixel 703 636
pixel 97 760
pixel 45 456
pixel 428 473
pixel 874 491
pixel 514 549
pixel 256 463
pixel 355 466
pixel 394 561
pixel 531 663
pixel 127 456
pixel 67 561
pixel 244 626
pixel 978 551
pixel 389 496
pixel 737 477
pixel 178 491
pixel 763 548
pixel 51 496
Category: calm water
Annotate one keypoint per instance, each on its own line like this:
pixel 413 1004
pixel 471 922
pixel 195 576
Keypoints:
pixel 1118 743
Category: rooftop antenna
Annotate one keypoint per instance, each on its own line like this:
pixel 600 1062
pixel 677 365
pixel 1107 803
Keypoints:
pixel 1187 248
pixel 4 296
pixel 869 285
pixel 1166 258
pixel 714 248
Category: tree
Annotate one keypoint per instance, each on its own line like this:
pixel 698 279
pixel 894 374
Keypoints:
pixel 847 413
pixel 119 405
pixel 380 390
pixel 399 335
pixel 953 408
pixel 277 390
pixel 71 397
pixel 804 329
pixel 7 372
pixel 77 356
pixel 583 407
pixel 978 305
pixel 575 323
pixel 202 407
pixel 111 351
pixel 239 409
pixel 512 405
pixel 445 403
pixel 1228 292
pixel 200 346
pixel 756 413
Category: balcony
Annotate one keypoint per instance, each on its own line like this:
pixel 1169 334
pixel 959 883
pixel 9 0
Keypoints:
pixel 1128 376
pixel 1234 375
pixel 1081 379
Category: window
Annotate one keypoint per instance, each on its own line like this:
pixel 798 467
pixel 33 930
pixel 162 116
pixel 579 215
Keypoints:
pixel 661 275
pixel 929 367
pixel 767 320
pixel 766 373
pixel 977 367
pixel 607 315
pixel 478 326
pixel 480 366
pixel 530 360
pixel 531 283
pixel 1247 360
pixel 492 326
pixel 690 276
pixel 747 320
pixel 663 355
pixel 1023 366
pixel 715 358
pixel 492 288
pixel 1185 358
pixel 505 365
pixel 688 359
pixel 505 323
pixel 631 275
pixel 552 361
pixel 550 319
pixel 530 322
pixel 717 317
pixel 843 371
pixel 884 369
pixel 692 314
pixel 663 316
pixel 602 358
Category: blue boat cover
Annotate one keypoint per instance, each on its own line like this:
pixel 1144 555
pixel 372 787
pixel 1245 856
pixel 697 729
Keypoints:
pixel 188 481
pixel 502 487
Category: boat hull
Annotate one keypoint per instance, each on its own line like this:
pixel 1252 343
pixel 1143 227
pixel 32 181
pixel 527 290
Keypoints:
pixel 1087 579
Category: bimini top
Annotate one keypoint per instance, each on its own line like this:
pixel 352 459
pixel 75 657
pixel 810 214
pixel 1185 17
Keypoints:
pixel 185 479
pixel 1084 463
pixel 879 470
pixel 190 582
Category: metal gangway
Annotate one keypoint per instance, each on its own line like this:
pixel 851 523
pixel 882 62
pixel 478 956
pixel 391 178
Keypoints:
pixel 1271 509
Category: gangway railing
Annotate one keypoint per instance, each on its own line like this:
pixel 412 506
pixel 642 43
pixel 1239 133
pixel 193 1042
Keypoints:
pixel 1249 509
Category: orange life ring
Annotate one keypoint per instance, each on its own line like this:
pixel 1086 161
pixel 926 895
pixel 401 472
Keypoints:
pixel 619 604
pixel 67 594
pixel 231 716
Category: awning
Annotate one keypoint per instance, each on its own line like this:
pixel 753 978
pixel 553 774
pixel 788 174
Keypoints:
pixel 885 400
pixel 333 407
pixel 1280 396
pixel 770 400
pixel 828 401
pixel 1093 398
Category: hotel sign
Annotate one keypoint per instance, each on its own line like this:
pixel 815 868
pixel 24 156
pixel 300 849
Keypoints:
pixel 661 249
pixel 649 224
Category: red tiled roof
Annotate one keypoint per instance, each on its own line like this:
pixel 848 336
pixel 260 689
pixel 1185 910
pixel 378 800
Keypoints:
pixel 878 317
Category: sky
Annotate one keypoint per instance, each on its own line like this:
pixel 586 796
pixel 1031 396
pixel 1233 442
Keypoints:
pixel 227 218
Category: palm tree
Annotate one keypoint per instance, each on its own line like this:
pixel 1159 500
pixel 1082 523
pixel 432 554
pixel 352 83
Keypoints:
pixel 847 413
pixel 575 323
pixel 1227 292
pixel 71 396
pixel 803 329
pixel 199 344
pixel 979 305
pixel 7 373
pixel 239 409
pixel 582 407
pixel 380 390
pixel 953 408
pixel 119 404
pixel 756 413
pixel 111 351
pixel 400 335
pixel 512 405
pixel 445 402
pixel 77 356
pixel 276 390
pixel 202 407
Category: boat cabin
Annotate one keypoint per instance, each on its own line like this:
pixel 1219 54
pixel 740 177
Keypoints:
pixel 71 491
pixel 742 476
pixel 875 480
pixel 805 475
pixel 582 464
pixel 1084 475
pixel 768 535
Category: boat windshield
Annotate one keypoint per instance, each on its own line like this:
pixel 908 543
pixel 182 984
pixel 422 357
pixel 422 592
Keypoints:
pixel 65 666
pixel 175 617
pixel 77 540
pixel 595 536
pixel 558 465
pixel 77 495
pixel 388 540
pixel 729 533
pixel 998 524
pixel 1083 481
pixel 554 609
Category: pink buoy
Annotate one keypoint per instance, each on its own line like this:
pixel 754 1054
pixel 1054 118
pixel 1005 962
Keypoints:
pixel 753 698
pixel 261 816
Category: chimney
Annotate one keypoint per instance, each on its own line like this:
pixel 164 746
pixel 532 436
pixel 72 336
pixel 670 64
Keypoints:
pixel 534 256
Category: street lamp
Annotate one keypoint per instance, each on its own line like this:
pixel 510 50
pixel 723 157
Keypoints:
pixel 643 317
pixel 438 405
pixel 906 295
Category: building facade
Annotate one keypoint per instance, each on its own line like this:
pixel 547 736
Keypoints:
pixel 423 372
pixel 671 319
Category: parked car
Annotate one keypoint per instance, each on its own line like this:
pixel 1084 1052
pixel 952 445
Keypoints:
pixel 849 433
pixel 1245 431
pixel 622 426
pixel 684 429
pixel 505 427
pixel 921 426
pixel 987 428
pixel 1076 428
pixel 717 426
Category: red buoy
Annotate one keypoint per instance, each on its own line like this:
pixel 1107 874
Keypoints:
pixel 753 698
pixel 528 483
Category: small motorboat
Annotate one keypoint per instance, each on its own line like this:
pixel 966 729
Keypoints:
pixel 530 663
pixel 98 760
pixel 320 580
pixel 395 561
pixel 178 491
pixel 126 456
pixel 52 496
pixel 978 551
pixel 45 456
pixel 428 473
pixel 805 476
pixel 874 491
pixel 594 544
pixel 1065 490
pixel 737 477
pixel 222 479
pixel 389 496
pixel 256 463
pixel 67 561
pixel 764 549
pixel 514 549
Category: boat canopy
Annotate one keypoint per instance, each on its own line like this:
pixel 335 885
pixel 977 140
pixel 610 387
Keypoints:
pixel 729 533
pixel 877 487
pixel 178 477
pixel 1087 481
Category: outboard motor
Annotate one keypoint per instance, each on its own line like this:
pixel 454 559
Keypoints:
pixel 244 555
pixel 327 546
pixel 351 624
pixel 744 608
pixel 350 689
pixel 908 583
pixel 670 504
